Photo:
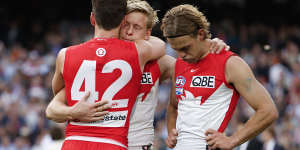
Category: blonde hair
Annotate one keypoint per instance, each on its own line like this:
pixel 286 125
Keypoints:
pixel 145 8
pixel 184 20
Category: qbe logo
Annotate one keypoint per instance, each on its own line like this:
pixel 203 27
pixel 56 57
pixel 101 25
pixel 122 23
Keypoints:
pixel 203 81
pixel 147 78
pixel 180 81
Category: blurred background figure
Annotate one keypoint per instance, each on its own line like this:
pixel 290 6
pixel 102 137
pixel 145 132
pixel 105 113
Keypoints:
pixel 269 140
pixel 253 144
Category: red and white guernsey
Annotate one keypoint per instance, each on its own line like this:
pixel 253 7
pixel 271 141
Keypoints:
pixel 205 99
pixel 109 69
pixel 141 130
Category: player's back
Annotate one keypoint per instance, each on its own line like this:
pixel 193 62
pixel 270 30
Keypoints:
pixel 110 70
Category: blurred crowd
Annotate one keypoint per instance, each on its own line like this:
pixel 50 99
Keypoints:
pixel 28 60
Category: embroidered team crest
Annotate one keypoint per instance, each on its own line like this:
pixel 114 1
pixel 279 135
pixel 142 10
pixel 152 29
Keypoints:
pixel 180 81
pixel 100 52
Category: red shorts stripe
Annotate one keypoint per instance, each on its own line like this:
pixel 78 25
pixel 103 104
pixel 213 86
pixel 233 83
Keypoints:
pixel 86 145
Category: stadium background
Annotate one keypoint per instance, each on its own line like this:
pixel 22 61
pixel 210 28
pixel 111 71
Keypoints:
pixel 266 34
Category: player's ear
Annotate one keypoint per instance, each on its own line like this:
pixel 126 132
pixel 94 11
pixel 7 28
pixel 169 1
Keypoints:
pixel 92 19
pixel 201 34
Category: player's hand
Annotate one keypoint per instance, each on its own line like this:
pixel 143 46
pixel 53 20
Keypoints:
pixel 85 111
pixel 219 140
pixel 171 141
pixel 217 45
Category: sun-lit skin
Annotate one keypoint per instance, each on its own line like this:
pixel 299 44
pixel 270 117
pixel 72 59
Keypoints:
pixel 135 27
pixel 190 49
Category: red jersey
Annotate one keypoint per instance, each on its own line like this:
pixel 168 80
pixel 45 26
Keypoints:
pixel 110 70
pixel 205 99
pixel 141 130
pixel 150 78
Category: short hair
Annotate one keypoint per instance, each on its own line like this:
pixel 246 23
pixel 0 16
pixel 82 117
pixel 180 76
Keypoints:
pixel 184 20
pixel 145 8
pixel 109 13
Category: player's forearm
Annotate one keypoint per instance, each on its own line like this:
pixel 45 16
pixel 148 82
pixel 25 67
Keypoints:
pixel 171 118
pixel 255 125
pixel 58 111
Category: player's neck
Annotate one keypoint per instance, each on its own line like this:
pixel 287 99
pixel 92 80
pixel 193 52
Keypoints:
pixel 205 50
pixel 114 33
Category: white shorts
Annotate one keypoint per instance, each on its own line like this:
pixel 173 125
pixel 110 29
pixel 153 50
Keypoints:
pixel 144 147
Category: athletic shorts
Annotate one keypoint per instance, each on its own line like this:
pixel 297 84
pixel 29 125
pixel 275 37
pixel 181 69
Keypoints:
pixel 86 145
pixel 208 148
pixel 144 147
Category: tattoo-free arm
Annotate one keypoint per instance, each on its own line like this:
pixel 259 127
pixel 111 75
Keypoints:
pixel 172 111
pixel 58 81
pixel 83 111
pixel 152 49
pixel 58 110
pixel 166 64
pixel 171 140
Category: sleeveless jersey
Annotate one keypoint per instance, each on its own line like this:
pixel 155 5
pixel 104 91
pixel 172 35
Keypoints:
pixel 110 70
pixel 141 130
pixel 205 99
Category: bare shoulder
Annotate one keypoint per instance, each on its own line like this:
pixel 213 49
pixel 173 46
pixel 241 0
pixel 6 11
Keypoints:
pixel 61 59
pixel 237 68
pixel 166 65
pixel 166 62
pixel 152 49
pixel 61 54
pixel 142 46
pixel 155 41
pixel 235 61
pixel 144 52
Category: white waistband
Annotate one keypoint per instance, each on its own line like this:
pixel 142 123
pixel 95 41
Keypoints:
pixel 95 139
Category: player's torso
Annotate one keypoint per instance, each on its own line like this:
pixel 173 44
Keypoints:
pixel 205 99
pixel 141 130
pixel 109 69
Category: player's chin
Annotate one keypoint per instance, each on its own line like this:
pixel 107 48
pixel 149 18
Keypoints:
pixel 127 38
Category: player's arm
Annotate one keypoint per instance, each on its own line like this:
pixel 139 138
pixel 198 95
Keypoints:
pixel 166 64
pixel 172 111
pixel 158 47
pixel 83 111
pixel 172 105
pixel 58 110
pixel 240 75
pixel 172 116
pixel 152 49
pixel 58 81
